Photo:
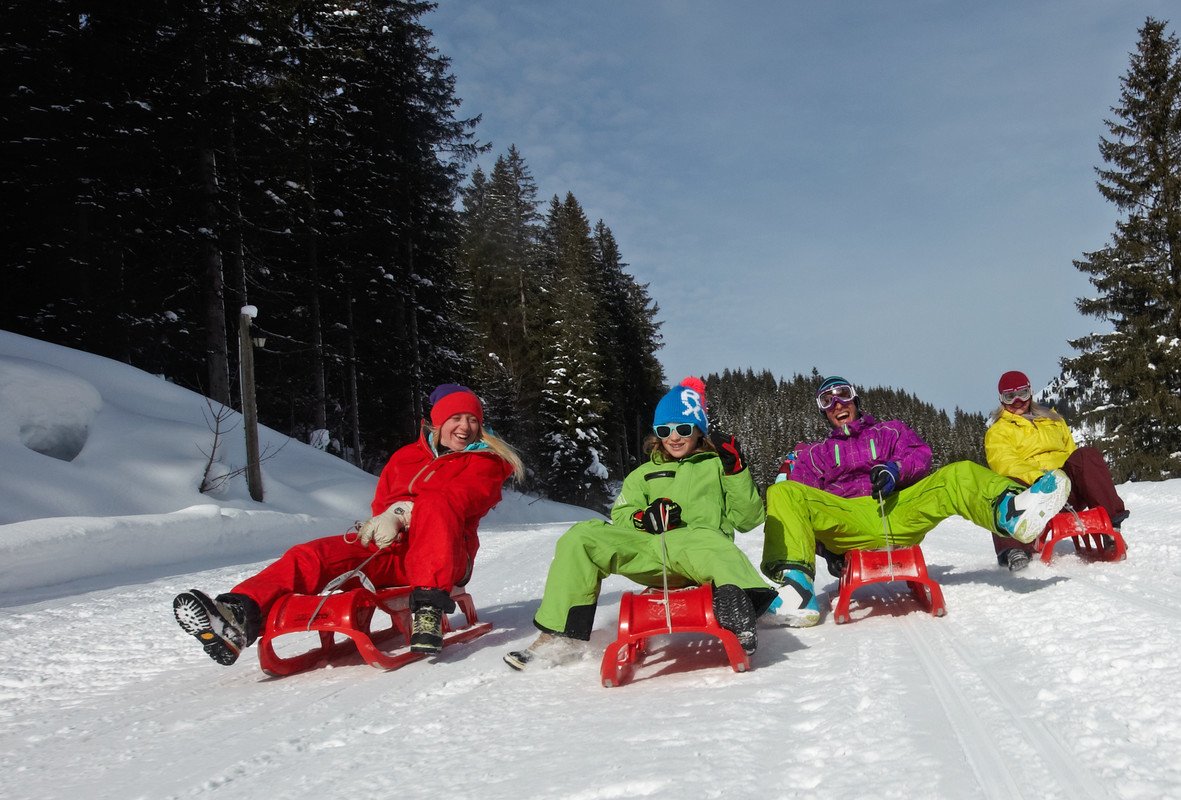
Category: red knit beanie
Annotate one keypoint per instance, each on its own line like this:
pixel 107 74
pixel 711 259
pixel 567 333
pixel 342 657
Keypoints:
pixel 1011 381
pixel 450 399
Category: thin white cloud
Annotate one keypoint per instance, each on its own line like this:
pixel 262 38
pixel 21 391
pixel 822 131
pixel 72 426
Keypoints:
pixel 857 184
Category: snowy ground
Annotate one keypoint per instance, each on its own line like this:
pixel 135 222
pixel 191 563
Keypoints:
pixel 1058 682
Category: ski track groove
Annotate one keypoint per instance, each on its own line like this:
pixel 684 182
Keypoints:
pixel 253 733
pixel 152 715
pixel 294 715
pixel 988 764
pixel 1071 774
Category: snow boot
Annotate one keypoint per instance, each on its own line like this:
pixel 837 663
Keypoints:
pixel 1024 516
pixel 548 650
pixel 834 561
pixel 1108 542
pixel 426 633
pixel 736 613
pixel 224 626
pixel 796 606
pixel 1015 559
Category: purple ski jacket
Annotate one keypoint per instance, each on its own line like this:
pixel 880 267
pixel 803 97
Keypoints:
pixel 841 463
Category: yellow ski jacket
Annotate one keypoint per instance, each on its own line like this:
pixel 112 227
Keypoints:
pixel 1022 448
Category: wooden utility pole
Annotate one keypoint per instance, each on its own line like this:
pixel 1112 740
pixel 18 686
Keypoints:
pixel 249 409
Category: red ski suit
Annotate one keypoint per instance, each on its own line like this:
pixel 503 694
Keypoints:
pixel 451 493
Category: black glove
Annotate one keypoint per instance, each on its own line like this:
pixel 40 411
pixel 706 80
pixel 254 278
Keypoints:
pixel 731 452
pixel 663 515
pixel 884 478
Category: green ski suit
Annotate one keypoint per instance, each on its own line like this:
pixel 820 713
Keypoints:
pixel 799 515
pixel 701 551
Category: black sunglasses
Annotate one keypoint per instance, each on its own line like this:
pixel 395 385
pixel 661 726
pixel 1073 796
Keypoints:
pixel 683 429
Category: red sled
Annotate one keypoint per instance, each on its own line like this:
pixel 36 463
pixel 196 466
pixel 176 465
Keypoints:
pixel 642 616
pixel 1085 528
pixel 863 567
pixel 352 614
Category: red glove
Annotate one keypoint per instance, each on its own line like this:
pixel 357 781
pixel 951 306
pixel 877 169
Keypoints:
pixel 730 451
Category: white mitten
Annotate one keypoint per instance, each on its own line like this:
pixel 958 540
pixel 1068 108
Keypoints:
pixel 387 527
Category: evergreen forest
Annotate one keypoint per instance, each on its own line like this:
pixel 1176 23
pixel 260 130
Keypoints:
pixel 169 164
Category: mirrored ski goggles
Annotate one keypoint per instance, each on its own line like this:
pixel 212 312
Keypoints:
pixel 682 429
pixel 843 394
pixel 1013 395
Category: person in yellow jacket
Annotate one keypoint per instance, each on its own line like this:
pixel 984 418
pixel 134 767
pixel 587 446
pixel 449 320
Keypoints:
pixel 1024 439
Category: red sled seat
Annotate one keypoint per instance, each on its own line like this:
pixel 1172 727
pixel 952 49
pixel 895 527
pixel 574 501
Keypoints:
pixel 352 615
pixel 863 567
pixel 1085 528
pixel 642 616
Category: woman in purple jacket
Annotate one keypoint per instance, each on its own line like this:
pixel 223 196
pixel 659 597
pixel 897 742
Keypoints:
pixel 867 486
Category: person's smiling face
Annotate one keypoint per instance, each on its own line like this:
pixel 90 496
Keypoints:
pixel 459 431
pixel 841 412
pixel 1017 401
pixel 679 446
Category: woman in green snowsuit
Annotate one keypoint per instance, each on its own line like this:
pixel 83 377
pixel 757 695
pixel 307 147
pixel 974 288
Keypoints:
pixel 694 494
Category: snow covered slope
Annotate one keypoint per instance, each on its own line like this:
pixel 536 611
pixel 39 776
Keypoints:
pixel 1057 682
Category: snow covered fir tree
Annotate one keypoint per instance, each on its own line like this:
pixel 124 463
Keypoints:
pixel 564 339
pixel 1127 381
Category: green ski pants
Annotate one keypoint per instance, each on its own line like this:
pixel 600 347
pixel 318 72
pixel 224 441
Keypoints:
pixel 798 515
pixel 592 550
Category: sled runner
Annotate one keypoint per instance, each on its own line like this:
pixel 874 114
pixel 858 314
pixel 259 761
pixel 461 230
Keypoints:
pixel 863 567
pixel 1086 528
pixel 642 616
pixel 351 614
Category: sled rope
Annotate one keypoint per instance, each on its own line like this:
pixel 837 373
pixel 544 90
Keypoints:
pixel 668 614
pixel 339 580
pixel 886 535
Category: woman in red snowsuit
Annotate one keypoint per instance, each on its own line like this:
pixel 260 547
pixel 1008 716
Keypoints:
pixel 429 500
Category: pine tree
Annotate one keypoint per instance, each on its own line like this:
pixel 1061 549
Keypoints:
pixel 574 454
pixel 627 337
pixel 1135 369
pixel 356 222
pixel 561 332
pixel 499 254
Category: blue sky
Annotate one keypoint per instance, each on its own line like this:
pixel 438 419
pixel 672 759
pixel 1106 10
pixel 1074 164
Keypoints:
pixel 890 191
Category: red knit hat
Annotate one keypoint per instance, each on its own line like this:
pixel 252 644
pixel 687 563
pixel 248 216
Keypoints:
pixel 450 399
pixel 1011 381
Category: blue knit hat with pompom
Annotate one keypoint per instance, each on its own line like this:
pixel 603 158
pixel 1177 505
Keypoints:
pixel 685 402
